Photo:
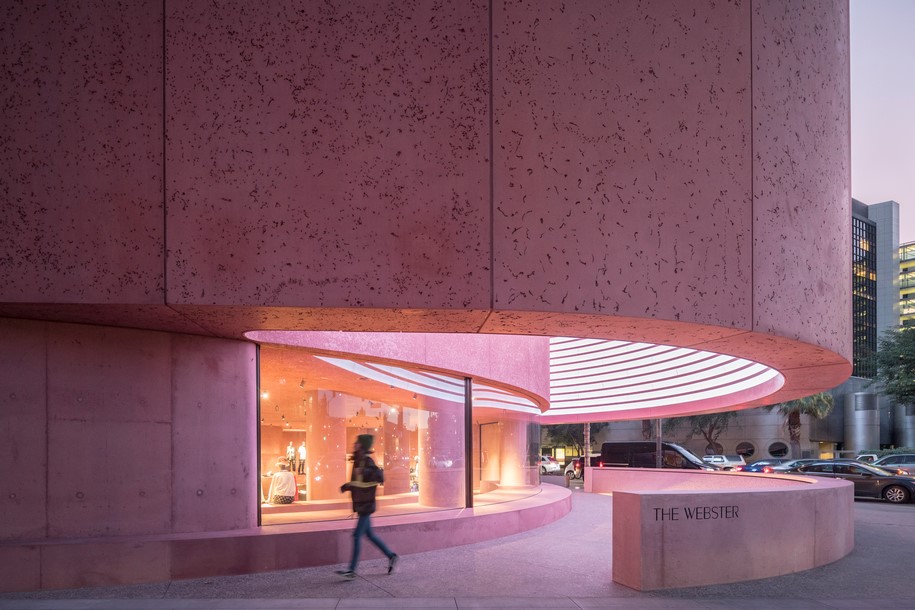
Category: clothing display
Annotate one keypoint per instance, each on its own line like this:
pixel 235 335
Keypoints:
pixel 283 486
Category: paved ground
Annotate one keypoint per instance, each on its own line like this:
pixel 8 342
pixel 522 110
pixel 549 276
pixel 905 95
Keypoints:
pixel 562 565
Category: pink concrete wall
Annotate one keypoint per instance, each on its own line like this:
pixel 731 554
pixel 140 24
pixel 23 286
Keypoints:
pixel 82 215
pixel 801 164
pixel 621 128
pixel 329 168
pixel 23 431
pixel 785 524
pixel 147 433
pixel 336 154
pixel 55 565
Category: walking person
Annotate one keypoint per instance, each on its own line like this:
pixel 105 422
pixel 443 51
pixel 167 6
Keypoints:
pixel 362 485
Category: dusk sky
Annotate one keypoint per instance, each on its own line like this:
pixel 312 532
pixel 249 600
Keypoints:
pixel 883 106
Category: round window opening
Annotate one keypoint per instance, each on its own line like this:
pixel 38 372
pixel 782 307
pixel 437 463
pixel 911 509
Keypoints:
pixel 745 449
pixel 714 449
pixel 778 449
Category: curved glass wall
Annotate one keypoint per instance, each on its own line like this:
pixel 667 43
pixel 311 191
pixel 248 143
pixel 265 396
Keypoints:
pixel 313 406
pixel 506 446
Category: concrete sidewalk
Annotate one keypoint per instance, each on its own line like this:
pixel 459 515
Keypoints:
pixel 562 565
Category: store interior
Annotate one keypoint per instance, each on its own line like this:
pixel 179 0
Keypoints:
pixel 313 406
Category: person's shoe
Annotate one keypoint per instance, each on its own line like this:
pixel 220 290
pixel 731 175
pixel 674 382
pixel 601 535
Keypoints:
pixel 392 563
pixel 346 574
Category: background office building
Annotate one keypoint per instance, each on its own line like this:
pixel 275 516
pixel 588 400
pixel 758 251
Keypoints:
pixel 863 418
pixel 907 284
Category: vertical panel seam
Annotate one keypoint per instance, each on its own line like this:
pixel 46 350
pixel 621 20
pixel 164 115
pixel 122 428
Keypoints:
pixel 752 181
pixel 164 183
pixel 468 442
pixel 257 441
pixel 492 162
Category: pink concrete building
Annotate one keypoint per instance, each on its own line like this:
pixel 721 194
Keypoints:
pixel 432 191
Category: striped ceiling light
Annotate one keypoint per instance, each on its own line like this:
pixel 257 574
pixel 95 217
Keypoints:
pixel 594 377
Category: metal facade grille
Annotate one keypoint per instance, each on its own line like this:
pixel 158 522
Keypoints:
pixel 864 295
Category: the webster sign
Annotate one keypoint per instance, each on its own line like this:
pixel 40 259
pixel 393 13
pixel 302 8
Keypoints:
pixel 696 513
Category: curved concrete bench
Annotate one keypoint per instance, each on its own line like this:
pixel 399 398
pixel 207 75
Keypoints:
pixel 680 528
pixel 58 564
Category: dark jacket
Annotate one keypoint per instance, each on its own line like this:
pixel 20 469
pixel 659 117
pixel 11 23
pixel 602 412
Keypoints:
pixel 364 486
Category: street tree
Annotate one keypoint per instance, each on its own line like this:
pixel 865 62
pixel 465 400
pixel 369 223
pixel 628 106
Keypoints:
pixel 895 364
pixel 571 435
pixel 817 406
pixel 709 426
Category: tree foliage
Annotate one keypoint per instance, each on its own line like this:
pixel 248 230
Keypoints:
pixel 709 426
pixel 817 406
pixel 895 362
pixel 572 435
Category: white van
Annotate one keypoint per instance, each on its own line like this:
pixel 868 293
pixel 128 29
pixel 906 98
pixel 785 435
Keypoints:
pixel 725 462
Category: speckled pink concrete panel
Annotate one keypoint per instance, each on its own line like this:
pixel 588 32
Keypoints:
pixel 518 361
pixel 622 149
pixel 23 420
pixel 215 435
pixel 328 154
pixel 82 217
pixel 801 173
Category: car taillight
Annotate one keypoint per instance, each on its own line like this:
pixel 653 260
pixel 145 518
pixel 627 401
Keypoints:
pixel 768 470
pixel 738 468
pixel 600 464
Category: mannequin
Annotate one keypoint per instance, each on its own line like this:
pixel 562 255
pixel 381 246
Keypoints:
pixel 290 456
pixel 302 454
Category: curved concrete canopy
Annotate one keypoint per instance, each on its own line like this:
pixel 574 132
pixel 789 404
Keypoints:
pixel 589 379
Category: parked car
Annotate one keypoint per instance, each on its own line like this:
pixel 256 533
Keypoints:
pixel 643 454
pixel 724 462
pixel 899 461
pixel 549 465
pixel 765 466
pixel 573 469
pixel 869 481
pixel 794 464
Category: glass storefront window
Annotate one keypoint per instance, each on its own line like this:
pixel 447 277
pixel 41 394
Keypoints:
pixel 313 406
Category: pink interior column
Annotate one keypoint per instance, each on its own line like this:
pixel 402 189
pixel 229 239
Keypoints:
pixel 442 440
pixel 514 453
pixel 327 469
pixel 396 457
